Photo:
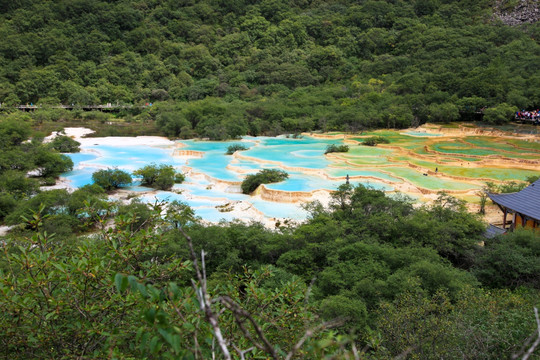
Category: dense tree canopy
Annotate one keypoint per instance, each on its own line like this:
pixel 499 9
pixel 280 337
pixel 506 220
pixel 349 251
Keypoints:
pixel 26 162
pixel 272 66
pixel 125 289
pixel 65 144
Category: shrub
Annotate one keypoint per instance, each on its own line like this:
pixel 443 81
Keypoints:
pixel 352 311
pixel 7 204
pixel 235 147
pixel 48 181
pixel 336 148
pixel 161 177
pixel 141 213
pixel 499 114
pixel 510 261
pixel 65 144
pixel 51 164
pixel 373 141
pixel 52 201
pixel 265 176
pixel 92 194
pixel 111 179
pixel 16 183
pixel 179 178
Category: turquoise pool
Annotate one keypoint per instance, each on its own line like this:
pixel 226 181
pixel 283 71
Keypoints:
pixel 302 158
pixel 198 192
pixel 419 133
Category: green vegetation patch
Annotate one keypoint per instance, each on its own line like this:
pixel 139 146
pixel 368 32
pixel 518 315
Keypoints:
pixel 336 148
pixel 534 145
pixel 161 177
pixel 231 149
pixel 429 182
pixel 111 179
pixel 265 176
pixel 65 144
pixel 373 141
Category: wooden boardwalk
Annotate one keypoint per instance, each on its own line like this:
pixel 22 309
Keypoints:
pixel 107 107
pixel 535 121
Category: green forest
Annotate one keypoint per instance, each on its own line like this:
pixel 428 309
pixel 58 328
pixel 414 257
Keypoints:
pixel 221 69
pixel 369 277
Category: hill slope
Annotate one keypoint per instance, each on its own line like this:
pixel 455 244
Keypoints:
pixel 289 65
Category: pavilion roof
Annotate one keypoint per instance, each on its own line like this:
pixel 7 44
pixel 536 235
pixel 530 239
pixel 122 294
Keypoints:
pixel 526 201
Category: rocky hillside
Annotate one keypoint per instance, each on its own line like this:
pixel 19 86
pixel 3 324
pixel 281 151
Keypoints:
pixel 518 12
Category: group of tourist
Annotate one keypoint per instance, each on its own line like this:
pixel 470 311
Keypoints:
pixel 528 115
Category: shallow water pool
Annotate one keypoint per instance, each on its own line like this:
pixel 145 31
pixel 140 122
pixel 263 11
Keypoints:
pixel 385 162
pixel 419 133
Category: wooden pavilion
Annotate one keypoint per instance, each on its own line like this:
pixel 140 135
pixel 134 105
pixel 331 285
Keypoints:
pixel 520 209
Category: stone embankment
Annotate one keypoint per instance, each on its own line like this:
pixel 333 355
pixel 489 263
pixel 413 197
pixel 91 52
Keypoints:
pixel 292 196
pixel 188 153
pixel 282 196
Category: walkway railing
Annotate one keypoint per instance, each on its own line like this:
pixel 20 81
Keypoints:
pixel 107 107
pixel 534 120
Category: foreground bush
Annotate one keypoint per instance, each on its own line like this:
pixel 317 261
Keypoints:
pixel 383 268
pixel 265 176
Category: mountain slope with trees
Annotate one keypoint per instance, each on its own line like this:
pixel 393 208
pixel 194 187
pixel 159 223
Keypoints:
pixel 237 67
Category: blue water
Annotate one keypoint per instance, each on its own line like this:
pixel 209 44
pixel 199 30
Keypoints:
pixel 128 158
pixel 201 195
pixel 213 214
pixel 280 210
pixel 214 161
pixel 204 209
pixel 131 158
pixel 300 153
pixel 303 182
pixel 79 157
pixel 419 133
pixel 211 193
pixel 80 177
pixel 270 152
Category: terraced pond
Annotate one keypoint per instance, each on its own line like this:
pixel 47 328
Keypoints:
pixel 418 163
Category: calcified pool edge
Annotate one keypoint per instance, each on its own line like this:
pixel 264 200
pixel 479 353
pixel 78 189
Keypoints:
pixel 445 165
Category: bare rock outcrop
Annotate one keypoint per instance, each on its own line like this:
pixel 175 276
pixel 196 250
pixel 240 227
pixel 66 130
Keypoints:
pixel 518 12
